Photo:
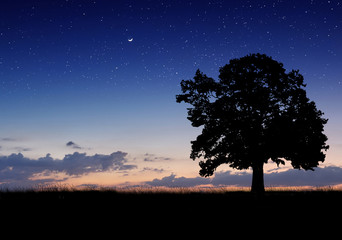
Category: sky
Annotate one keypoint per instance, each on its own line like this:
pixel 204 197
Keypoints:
pixel 87 87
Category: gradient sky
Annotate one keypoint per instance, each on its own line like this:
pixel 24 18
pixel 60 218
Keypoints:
pixel 71 81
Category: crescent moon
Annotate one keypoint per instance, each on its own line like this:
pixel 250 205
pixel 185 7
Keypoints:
pixel 130 40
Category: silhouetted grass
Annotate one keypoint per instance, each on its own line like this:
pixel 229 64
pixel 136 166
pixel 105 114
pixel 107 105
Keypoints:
pixel 172 208
pixel 199 210
pixel 186 198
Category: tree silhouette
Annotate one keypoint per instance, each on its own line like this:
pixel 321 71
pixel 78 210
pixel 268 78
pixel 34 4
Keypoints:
pixel 256 112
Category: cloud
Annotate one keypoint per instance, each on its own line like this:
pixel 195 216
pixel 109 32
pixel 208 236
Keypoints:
pixel 73 145
pixel 153 158
pixel 22 149
pixel 327 176
pixel 16 167
pixel 173 181
pixel 7 139
pixel 149 169
pixel 229 178
pixel 10 144
pixel 331 175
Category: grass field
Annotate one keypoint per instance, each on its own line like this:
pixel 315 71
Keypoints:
pixel 173 209
pixel 135 197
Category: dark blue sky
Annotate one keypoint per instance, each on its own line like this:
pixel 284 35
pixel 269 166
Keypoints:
pixel 68 71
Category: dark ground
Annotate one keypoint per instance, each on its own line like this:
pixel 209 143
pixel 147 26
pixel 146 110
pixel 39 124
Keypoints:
pixel 165 215
pixel 304 201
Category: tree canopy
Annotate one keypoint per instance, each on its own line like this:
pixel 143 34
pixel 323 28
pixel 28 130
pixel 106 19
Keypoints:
pixel 254 113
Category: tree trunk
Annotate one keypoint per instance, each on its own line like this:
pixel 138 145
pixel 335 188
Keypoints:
pixel 258 178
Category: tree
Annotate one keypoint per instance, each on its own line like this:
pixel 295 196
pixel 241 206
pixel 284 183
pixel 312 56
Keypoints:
pixel 255 113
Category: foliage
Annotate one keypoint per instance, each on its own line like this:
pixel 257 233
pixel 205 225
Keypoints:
pixel 256 112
